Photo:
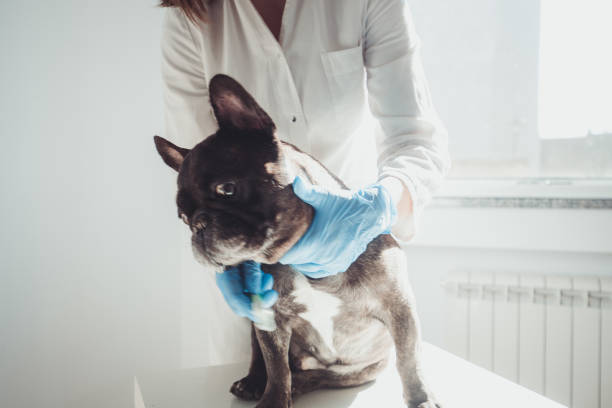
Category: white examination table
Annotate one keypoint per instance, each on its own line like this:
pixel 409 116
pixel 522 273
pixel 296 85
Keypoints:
pixel 456 382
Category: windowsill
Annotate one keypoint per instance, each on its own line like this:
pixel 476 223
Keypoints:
pixel 551 188
pixel 523 202
pixel 520 215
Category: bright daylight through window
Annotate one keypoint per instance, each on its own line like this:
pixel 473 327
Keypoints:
pixel 524 86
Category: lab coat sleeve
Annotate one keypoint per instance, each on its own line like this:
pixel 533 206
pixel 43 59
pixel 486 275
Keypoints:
pixel 413 143
pixel 187 111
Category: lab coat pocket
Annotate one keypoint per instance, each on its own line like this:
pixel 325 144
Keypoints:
pixel 346 79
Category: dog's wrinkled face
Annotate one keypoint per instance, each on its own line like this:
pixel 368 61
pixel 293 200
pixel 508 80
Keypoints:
pixel 234 187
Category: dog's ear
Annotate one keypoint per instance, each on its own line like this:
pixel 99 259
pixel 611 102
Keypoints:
pixel 235 108
pixel 171 154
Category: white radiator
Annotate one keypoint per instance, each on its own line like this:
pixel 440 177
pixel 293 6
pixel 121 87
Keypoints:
pixel 552 334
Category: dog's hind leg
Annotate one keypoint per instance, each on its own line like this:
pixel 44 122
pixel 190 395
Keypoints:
pixel 397 312
pixel 306 381
pixel 404 328
pixel 253 385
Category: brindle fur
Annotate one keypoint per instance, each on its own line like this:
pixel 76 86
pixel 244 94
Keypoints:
pixel 376 302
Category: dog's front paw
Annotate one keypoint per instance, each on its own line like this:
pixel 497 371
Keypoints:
pixel 250 388
pixel 422 399
pixel 419 396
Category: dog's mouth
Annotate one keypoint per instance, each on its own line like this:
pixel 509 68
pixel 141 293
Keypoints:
pixel 204 257
pixel 212 249
pixel 218 253
pixel 200 246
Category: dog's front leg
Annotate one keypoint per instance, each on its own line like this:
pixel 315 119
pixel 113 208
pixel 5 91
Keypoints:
pixel 404 328
pixel 275 350
pixel 252 386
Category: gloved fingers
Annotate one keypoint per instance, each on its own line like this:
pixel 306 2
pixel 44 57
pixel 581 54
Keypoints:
pixel 241 305
pixel 291 256
pixel 267 282
pixel 310 194
pixel 318 274
pixel 316 271
pixel 251 265
pixel 252 275
pixel 229 280
pixel 307 267
pixel 344 224
pixel 230 285
pixel 301 252
pixel 368 195
pixel 229 271
pixel 389 207
pixel 268 298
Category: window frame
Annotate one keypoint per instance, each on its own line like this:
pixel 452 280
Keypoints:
pixel 572 215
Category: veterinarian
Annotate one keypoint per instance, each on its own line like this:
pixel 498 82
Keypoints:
pixel 343 81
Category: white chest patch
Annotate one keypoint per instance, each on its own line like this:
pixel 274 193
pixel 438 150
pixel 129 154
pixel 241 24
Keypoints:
pixel 321 308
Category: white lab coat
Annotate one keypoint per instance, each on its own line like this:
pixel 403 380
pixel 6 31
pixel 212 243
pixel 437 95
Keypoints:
pixel 344 82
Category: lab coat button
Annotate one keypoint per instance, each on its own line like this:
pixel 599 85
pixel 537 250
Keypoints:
pixel 294 119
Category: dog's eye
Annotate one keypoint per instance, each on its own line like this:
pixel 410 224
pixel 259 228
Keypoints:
pixel 226 189
pixel 184 217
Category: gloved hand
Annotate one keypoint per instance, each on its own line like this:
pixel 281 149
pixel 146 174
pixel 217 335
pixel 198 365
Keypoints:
pixel 344 223
pixel 238 283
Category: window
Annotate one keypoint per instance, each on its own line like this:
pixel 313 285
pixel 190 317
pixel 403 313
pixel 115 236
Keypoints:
pixel 523 86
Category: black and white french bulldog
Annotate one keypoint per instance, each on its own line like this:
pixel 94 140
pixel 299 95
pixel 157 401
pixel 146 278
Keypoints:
pixel 235 193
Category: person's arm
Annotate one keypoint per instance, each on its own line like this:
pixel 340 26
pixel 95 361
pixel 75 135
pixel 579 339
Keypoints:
pixel 413 152
pixel 187 110
pixel 404 226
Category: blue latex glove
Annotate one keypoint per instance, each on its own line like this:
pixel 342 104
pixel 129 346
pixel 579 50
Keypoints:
pixel 238 283
pixel 344 223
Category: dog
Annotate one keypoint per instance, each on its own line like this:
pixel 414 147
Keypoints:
pixel 236 196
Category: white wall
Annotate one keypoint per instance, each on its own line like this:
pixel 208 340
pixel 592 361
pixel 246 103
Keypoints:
pixel 89 289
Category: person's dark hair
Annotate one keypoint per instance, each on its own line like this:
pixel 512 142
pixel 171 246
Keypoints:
pixel 194 9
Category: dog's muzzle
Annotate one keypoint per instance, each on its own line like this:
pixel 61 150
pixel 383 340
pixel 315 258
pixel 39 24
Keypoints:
pixel 198 224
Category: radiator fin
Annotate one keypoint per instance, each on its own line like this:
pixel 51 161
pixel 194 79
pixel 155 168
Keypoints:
pixel 552 334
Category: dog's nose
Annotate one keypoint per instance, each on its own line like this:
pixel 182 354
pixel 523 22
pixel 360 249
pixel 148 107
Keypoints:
pixel 198 224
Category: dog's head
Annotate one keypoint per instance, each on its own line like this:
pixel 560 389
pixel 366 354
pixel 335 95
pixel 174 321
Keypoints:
pixel 234 187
